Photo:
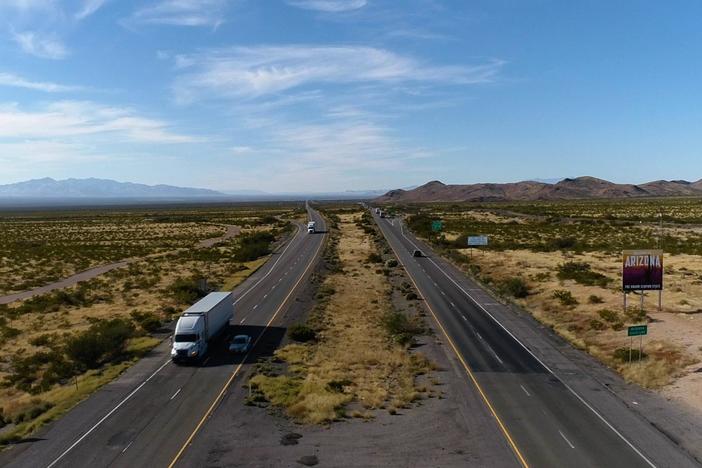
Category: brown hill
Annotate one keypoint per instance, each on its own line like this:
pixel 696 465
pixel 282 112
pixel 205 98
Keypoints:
pixel 567 189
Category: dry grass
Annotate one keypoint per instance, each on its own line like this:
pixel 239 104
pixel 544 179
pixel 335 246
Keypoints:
pixel 354 358
pixel 675 330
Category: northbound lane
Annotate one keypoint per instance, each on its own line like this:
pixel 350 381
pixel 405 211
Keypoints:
pixel 545 420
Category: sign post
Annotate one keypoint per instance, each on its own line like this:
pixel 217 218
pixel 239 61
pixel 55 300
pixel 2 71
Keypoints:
pixel 640 331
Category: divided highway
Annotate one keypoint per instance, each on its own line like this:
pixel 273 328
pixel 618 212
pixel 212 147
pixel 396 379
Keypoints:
pixel 150 415
pixel 546 420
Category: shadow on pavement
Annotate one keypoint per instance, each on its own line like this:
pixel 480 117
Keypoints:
pixel 269 338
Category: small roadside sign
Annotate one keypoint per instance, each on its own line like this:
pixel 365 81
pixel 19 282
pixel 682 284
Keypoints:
pixel 477 240
pixel 437 225
pixel 638 330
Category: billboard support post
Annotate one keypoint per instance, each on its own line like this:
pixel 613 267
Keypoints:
pixel 640 348
pixel 631 343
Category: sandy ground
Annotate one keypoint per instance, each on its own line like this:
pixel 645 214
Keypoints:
pixel 677 327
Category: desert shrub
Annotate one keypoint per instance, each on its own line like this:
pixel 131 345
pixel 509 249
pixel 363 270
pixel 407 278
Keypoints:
pixel 609 315
pixel 36 409
pixel 302 333
pixel 595 299
pixel 392 263
pixel 186 290
pixel 515 287
pixel 622 354
pixel 102 342
pixel 41 340
pixel 148 321
pixel 565 297
pixel 253 245
pixel 596 325
pixel 401 328
pixel 580 272
pixel 411 296
pixel 374 258
pixel 564 243
pixel 635 314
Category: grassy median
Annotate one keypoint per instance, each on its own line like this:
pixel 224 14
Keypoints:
pixel 348 359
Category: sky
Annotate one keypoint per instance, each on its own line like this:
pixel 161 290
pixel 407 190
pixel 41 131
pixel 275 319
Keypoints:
pixel 335 95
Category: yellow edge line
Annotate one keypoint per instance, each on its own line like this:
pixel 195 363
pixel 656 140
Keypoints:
pixel 514 447
pixel 238 368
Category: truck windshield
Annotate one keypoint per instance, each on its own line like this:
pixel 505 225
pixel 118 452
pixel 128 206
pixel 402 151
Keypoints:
pixel 186 338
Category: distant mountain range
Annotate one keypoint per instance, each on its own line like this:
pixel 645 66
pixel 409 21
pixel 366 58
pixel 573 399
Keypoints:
pixel 48 188
pixel 566 189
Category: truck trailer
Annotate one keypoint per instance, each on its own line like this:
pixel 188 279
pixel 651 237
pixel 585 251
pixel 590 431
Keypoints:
pixel 311 227
pixel 199 325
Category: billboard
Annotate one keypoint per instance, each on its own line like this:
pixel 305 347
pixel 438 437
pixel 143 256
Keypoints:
pixel 642 270
pixel 477 240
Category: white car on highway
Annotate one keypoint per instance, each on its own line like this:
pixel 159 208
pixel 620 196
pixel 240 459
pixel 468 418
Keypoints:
pixel 240 344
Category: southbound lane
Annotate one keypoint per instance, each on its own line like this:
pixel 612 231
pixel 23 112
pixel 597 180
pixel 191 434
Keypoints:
pixel 145 417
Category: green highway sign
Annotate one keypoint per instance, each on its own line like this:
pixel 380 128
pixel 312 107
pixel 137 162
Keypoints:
pixel 437 226
pixel 638 330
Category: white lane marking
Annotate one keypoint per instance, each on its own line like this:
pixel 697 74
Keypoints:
pixel 242 320
pixel 525 390
pixel 493 351
pixel 570 389
pixel 254 307
pixel 478 335
pixel 464 318
pixel 128 445
pixel 176 393
pixel 273 287
pixel 566 439
pixel 453 305
pixel 436 285
pixel 281 279
pixel 282 254
pixel 104 418
pixel 265 295
pixel 443 293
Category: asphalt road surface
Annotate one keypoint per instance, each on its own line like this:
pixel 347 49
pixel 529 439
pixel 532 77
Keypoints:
pixel 546 420
pixel 150 415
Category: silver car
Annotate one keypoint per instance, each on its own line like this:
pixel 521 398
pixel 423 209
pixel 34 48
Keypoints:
pixel 240 344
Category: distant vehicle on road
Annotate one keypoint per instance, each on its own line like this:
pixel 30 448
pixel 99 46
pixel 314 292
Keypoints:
pixel 417 253
pixel 311 227
pixel 240 344
pixel 199 325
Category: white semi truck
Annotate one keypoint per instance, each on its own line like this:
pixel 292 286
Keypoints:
pixel 311 227
pixel 199 324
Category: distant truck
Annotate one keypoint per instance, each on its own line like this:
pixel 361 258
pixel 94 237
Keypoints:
pixel 199 325
pixel 311 227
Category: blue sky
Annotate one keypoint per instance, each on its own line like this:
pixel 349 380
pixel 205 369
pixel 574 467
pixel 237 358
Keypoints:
pixel 326 95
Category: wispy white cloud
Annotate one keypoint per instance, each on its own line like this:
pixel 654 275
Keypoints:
pixel 182 13
pixel 66 119
pixel 249 72
pixel 329 6
pixel 89 7
pixel 40 46
pixel 10 79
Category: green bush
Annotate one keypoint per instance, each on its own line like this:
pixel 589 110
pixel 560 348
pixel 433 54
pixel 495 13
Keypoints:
pixel 610 316
pixel 302 333
pixel 411 296
pixel 597 325
pixel 374 258
pixel 186 290
pixel 401 328
pixel 253 245
pixel 515 287
pixel 594 299
pixel 148 321
pixel 580 272
pixel 102 342
pixel 565 297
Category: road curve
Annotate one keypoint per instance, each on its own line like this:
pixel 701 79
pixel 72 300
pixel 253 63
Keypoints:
pixel 94 272
pixel 546 418
pixel 150 415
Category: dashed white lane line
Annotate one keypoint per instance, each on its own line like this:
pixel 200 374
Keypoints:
pixel 265 295
pixel 128 445
pixel 443 293
pixel 242 321
pixel 97 424
pixel 566 439
pixel 453 305
pixel 254 307
pixel 176 393
pixel 525 390
pixel 464 318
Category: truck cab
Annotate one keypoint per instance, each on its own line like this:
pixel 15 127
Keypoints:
pixel 189 341
pixel 311 227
